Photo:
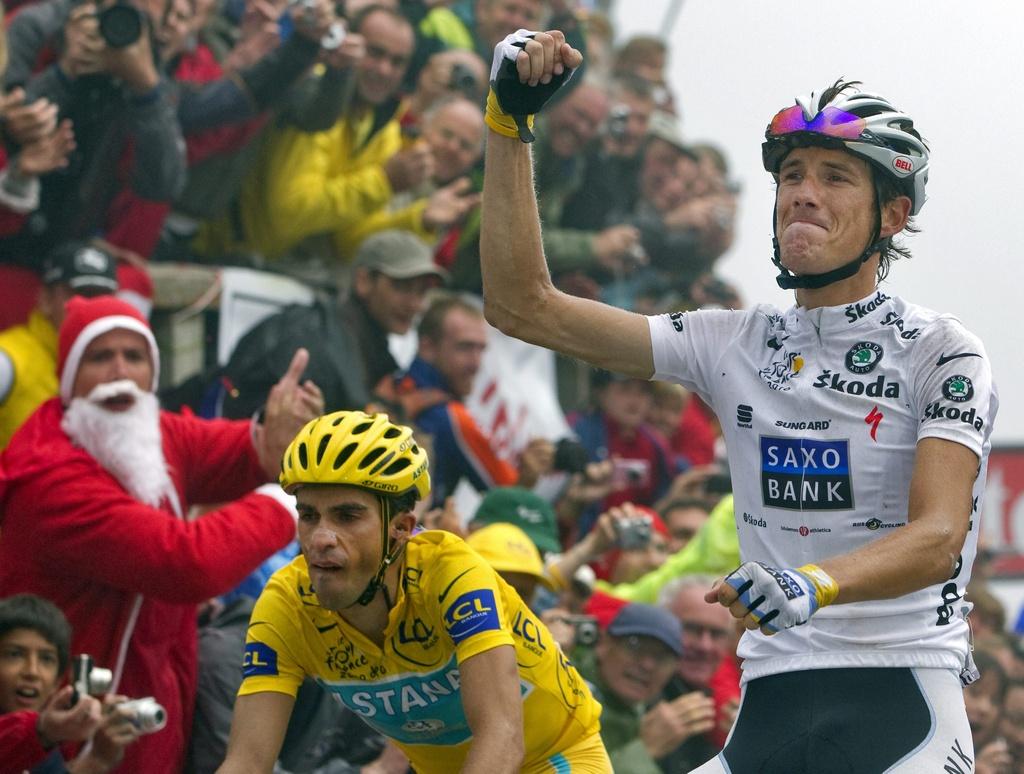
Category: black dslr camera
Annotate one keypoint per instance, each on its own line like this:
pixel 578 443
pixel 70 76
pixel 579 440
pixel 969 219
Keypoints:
pixel 121 24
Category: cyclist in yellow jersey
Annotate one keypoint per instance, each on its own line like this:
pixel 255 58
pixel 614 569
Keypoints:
pixel 411 630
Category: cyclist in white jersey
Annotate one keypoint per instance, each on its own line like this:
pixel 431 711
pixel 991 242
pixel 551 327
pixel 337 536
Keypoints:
pixel 857 424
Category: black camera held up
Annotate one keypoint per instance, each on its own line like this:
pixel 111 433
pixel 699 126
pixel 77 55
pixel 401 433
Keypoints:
pixel 121 24
pixel 146 714
pixel 570 456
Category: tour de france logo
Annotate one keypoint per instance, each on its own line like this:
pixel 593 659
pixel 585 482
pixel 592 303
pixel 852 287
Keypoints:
pixel 958 388
pixel 863 357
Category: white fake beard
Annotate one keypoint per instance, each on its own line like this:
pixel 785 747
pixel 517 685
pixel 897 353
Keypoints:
pixel 125 443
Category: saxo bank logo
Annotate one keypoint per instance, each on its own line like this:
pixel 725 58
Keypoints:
pixel 806 474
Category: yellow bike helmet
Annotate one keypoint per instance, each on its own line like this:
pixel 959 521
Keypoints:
pixel 357 449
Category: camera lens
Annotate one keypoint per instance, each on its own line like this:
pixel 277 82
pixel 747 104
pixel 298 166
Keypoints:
pixel 120 25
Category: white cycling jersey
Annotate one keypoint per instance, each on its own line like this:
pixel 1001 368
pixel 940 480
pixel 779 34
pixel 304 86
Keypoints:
pixel 821 410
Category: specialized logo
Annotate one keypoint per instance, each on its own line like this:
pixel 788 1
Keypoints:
pixel 896 321
pixel 754 521
pixel 778 373
pixel 943 359
pixel 857 311
pixel 814 424
pixel 958 388
pixel 876 524
pixel 473 612
pixel 259 660
pixel 954 413
pixel 879 388
pixel 677 321
pixel 863 357
pixel 806 474
pixel 874 418
pixel 744 415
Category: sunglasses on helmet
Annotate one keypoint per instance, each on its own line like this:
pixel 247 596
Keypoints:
pixel 830 122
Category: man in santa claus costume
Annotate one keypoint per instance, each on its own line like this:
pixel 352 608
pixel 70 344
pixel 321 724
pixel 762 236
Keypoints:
pixel 95 500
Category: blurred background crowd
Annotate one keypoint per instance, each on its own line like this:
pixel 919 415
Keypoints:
pixel 340 144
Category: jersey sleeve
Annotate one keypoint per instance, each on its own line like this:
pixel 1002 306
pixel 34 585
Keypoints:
pixel 473 607
pixel 270 663
pixel 955 395
pixel 688 345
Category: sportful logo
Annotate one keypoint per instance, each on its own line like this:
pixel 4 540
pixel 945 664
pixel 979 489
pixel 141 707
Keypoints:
pixel 744 415
pixel 856 311
pixel 778 373
pixel 863 357
pixel 958 388
pixel 806 474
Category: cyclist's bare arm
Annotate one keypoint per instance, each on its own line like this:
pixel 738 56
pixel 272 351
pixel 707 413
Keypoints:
pixel 257 732
pixel 519 297
pixel 489 682
pixel 924 551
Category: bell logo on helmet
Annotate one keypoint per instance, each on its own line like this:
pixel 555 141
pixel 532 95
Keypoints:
pixel 903 165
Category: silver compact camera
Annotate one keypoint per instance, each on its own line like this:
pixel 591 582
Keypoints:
pixel 89 679
pixel 633 533
pixel 335 33
pixel 146 714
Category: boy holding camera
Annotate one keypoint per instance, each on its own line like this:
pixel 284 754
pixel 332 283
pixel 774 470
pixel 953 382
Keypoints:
pixel 37 717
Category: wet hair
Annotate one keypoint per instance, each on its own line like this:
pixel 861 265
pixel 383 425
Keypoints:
pixel 27 611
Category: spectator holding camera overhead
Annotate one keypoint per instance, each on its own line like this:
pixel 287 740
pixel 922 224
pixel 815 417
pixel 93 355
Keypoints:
pixel 99 483
pixel 38 716
pixel 104 75
pixel 449 73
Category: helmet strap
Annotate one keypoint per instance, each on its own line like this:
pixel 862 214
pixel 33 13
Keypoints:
pixel 388 555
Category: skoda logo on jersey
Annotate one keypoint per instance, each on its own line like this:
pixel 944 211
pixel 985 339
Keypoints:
pixel 879 388
pixel 958 388
pixel 806 474
pixel 863 357
pixel 859 310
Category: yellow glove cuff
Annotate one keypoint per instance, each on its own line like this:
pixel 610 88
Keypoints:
pixel 825 587
pixel 500 121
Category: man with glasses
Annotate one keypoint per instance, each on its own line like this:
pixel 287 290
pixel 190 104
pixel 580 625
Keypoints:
pixel 629 668
pixel 858 426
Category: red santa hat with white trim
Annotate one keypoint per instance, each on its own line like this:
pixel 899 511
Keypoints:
pixel 85 319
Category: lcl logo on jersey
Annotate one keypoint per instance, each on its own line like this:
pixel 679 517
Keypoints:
pixel 806 474
pixel 863 356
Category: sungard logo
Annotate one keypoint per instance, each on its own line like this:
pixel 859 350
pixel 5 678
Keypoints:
pixel 856 311
pixel 879 388
pixel 874 524
pixel 817 424
pixel 896 322
pixel 754 521
pixel 863 357
pixel 953 413
pixel 958 388
pixel 806 474
pixel 903 165
pixel 744 415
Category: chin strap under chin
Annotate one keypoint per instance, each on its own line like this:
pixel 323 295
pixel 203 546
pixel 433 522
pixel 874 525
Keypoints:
pixel 387 559
pixel 789 281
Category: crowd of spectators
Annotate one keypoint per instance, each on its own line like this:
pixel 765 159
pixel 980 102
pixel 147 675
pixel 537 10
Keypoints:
pixel 341 143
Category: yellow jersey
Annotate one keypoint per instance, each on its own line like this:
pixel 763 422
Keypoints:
pixel 450 606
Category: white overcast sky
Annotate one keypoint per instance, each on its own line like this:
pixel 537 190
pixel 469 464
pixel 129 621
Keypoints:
pixel 953 66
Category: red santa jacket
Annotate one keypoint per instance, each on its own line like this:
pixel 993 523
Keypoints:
pixel 128 576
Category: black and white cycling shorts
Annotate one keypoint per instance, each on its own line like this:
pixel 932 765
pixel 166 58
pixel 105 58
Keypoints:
pixel 850 721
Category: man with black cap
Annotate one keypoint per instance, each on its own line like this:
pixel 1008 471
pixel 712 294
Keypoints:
pixel 28 352
pixel 348 339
